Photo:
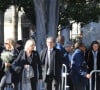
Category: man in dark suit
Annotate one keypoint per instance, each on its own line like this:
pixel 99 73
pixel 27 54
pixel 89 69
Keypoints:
pixel 52 64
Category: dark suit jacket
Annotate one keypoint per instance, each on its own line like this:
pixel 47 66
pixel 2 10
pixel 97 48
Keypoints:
pixel 22 60
pixel 90 60
pixel 56 55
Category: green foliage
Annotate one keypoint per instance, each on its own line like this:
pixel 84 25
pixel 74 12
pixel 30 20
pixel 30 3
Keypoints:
pixel 79 11
pixel 28 7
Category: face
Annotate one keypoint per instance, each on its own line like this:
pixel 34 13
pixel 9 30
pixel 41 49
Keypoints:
pixel 62 41
pixel 83 48
pixel 7 45
pixel 50 43
pixel 95 47
pixel 31 47
pixel 68 49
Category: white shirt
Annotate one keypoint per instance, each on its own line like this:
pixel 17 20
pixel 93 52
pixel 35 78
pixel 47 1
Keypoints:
pixel 95 59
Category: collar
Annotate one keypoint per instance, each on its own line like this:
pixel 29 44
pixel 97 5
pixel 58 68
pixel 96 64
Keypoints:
pixel 50 49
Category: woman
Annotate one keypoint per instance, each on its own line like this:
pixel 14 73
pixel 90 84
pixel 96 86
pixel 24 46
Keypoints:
pixel 28 58
pixel 7 57
pixel 79 73
pixel 93 61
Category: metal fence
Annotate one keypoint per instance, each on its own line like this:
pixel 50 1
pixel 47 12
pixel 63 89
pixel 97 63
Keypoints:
pixel 64 85
pixel 90 81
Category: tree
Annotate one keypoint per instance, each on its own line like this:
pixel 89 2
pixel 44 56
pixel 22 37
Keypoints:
pixel 46 13
pixel 46 20
pixel 40 25
pixel 83 11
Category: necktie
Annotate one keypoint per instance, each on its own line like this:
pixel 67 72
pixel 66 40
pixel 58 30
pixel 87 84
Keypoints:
pixel 49 63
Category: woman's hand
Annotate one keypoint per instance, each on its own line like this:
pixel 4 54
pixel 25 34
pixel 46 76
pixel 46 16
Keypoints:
pixel 7 64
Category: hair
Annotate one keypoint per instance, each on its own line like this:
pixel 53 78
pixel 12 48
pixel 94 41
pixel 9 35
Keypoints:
pixel 11 42
pixel 68 44
pixel 60 39
pixel 78 45
pixel 20 42
pixel 94 42
pixel 50 38
pixel 28 44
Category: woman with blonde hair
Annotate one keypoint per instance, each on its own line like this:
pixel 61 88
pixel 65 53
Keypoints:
pixel 8 55
pixel 27 64
pixel 11 43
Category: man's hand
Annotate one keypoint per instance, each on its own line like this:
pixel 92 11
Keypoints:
pixel 88 76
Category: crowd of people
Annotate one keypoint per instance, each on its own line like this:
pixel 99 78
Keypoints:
pixel 22 67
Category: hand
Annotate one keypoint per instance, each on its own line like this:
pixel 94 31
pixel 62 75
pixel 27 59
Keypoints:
pixel 26 66
pixel 7 64
pixel 88 76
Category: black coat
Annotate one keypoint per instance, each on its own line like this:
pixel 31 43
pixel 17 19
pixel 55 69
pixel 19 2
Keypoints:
pixel 57 56
pixel 90 60
pixel 21 60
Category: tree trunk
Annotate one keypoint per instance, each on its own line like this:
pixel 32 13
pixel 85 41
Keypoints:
pixel 40 25
pixel 53 18
pixel 46 20
pixel 15 23
pixel 1 28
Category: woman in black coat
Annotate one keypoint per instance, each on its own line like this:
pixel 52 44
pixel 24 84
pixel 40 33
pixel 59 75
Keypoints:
pixel 9 52
pixel 28 58
pixel 93 61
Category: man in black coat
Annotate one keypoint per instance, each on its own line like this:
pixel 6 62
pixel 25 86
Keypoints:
pixel 51 59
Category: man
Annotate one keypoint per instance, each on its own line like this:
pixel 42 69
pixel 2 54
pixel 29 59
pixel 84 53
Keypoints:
pixel 79 72
pixel 52 64
pixel 69 51
pixel 59 43
pixel 19 45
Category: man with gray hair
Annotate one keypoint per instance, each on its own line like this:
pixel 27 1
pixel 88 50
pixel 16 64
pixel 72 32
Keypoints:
pixel 51 59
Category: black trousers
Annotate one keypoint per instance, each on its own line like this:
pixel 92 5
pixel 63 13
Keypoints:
pixel 52 83
pixel 80 87
pixel 34 83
